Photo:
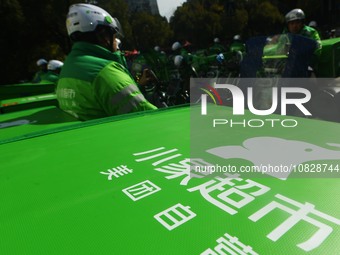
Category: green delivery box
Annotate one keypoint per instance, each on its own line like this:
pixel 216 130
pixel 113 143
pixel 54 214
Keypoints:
pixel 329 60
pixel 25 90
pixel 131 185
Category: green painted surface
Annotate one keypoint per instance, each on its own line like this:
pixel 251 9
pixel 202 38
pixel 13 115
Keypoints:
pixel 329 60
pixel 25 90
pixel 23 103
pixel 23 123
pixel 73 192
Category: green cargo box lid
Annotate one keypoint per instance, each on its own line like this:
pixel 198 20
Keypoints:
pixel 329 60
pixel 23 103
pixel 25 90
pixel 123 187
pixel 23 123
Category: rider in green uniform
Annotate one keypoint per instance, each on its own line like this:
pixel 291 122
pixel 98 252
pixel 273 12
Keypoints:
pixel 295 24
pixel 295 20
pixel 53 71
pixel 42 64
pixel 217 47
pixel 237 45
pixel 94 83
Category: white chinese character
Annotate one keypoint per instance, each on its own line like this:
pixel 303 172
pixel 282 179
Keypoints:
pixel 214 186
pixel 160 152
pixel 117 172
pixel 229 245
pixel 184 168
pixel 141 190
pixel 68 93
pixel 174 216
pixel 296 216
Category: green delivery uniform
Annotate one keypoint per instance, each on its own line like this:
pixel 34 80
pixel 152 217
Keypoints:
pixel 49 76
pixel 311 33
pixel 93 84
pixel 237 46
pixel 38 75
pixel 216 48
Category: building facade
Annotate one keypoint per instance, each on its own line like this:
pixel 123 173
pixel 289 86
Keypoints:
pixel 149 6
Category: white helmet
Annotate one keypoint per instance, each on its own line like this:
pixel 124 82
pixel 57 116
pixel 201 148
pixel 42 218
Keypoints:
pixel 178 60
pixel 86 18
pixel 157 48
pixel 216 40
pixel 41 62
pixel 237 38
pixel 176 46
pixel 313 24
pixel 295 14
pixel 54 65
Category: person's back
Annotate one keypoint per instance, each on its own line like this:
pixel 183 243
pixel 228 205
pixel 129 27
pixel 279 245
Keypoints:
pixel 92 83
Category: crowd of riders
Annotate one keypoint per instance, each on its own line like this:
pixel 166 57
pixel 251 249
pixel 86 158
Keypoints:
pixel 100 78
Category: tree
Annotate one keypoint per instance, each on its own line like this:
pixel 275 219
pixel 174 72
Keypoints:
pixel 194 23
pixel 119 9
pixel 11 25
pixel 150 30
pixel 235 24
pixel 265 19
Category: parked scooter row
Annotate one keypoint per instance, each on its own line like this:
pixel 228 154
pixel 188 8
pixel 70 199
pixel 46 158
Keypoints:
pixel 287 61
pixel 172 73
pixel 281 58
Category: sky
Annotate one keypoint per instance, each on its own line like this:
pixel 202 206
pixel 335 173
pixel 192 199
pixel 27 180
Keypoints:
pixel 167 7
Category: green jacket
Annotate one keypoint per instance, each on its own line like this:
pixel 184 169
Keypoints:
pixel 93 84
pixel 49 76
pixel 38 75
pixel 216 48
pixel 237 46
pixel 311 33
